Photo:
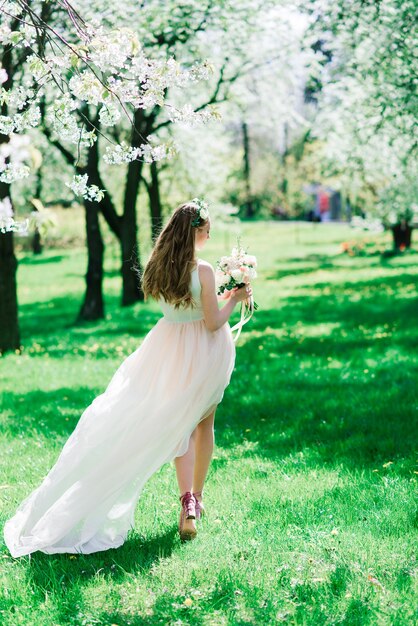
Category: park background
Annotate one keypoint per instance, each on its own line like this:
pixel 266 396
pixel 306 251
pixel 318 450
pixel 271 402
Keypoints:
pixel 308 158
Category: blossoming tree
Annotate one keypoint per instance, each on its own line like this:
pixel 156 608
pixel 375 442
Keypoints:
pixel 368 101
pixel 80 78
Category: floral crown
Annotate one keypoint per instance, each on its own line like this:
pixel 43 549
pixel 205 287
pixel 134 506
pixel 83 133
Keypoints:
pixel 202 211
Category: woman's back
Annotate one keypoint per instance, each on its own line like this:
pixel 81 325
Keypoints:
pixel 146 416
pixel 186 314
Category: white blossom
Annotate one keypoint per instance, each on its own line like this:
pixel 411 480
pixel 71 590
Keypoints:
pixel 16 97
pixel 64 122
pixel 28 119
pixel 12 155
pixel 111 51
pixel 129 92
pixel 13 171
pixel 8 224
pixel 141 67
pixel 109 114
pixel 29 35
pixel 7 221
pixel 122 153
pixel 157 153
pixel 5 34
pixel 6 209
pixel 6 124
pixel 187 115
pixel 37 67
pixel 104 67
pixel 87 86
pixel 201 71
pixel 12 8
pixel 63 62
pixel 80 187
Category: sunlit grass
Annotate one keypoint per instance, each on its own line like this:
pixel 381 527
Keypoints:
pixel 312 489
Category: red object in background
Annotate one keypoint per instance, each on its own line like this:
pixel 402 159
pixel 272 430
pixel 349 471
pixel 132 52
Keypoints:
pixel 323 202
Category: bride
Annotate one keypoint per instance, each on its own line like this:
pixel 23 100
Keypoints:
pixel 159 405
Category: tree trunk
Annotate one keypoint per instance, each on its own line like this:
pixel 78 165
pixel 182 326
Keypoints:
pixel 131 287
pixel 131 263
pixel 37 240
pixel 402 235
pixel 93 304
pixel 9 324
pixel 249 206
pixel 155 202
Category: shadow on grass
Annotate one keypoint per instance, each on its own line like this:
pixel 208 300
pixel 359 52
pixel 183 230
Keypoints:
pixel 47 413
pixel 40 260
pixel 286 398
pixel 49 317
pixel 322 422
pixel 169 608
pixel 55 326
pixel 339 412
pixel 64 576
pixel 311 263
pixel 366 303
pixel 358 409
pixel 345 396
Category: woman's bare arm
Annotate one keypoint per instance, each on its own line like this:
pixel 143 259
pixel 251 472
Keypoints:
pixel 215 317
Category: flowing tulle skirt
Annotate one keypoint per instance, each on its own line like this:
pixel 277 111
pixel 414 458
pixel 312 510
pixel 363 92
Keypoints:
pixel 144 419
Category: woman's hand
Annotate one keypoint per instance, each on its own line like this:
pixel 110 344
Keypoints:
pixel 243 293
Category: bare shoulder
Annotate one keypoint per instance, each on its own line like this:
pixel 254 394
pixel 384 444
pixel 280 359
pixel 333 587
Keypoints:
pixel 206 273
pixel 205 266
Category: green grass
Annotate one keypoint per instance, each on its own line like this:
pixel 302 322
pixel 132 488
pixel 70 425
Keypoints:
pixel 312 488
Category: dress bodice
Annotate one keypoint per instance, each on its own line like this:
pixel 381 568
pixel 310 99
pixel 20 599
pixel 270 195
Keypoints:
pixel 185 314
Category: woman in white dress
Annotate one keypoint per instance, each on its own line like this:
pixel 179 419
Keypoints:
pixel 159 406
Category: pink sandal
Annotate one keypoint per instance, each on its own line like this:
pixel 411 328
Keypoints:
pixel 187 526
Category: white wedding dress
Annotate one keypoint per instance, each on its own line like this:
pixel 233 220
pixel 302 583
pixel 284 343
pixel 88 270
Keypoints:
pixel 144 419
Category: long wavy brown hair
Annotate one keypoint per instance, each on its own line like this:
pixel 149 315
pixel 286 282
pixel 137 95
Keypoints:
pixel 168 271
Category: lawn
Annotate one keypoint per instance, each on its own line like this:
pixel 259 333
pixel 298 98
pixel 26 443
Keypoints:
pixel 311 495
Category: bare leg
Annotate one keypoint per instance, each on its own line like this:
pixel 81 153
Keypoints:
pixel 205 438
pixel 184 469
pixel 184 466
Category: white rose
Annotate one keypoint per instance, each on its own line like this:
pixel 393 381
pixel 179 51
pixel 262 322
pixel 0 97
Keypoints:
pixel 204 214
pixel 221 279
pixel 237 275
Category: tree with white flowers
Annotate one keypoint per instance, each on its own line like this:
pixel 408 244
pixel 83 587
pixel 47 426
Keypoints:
pixel 367 94
pixel 79 78
pixel 103 91
pixel 265 99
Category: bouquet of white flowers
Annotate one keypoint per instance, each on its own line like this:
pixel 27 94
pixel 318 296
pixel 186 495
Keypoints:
pixel 236 271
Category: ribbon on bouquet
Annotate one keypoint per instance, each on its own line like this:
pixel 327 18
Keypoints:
pixel 244 319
